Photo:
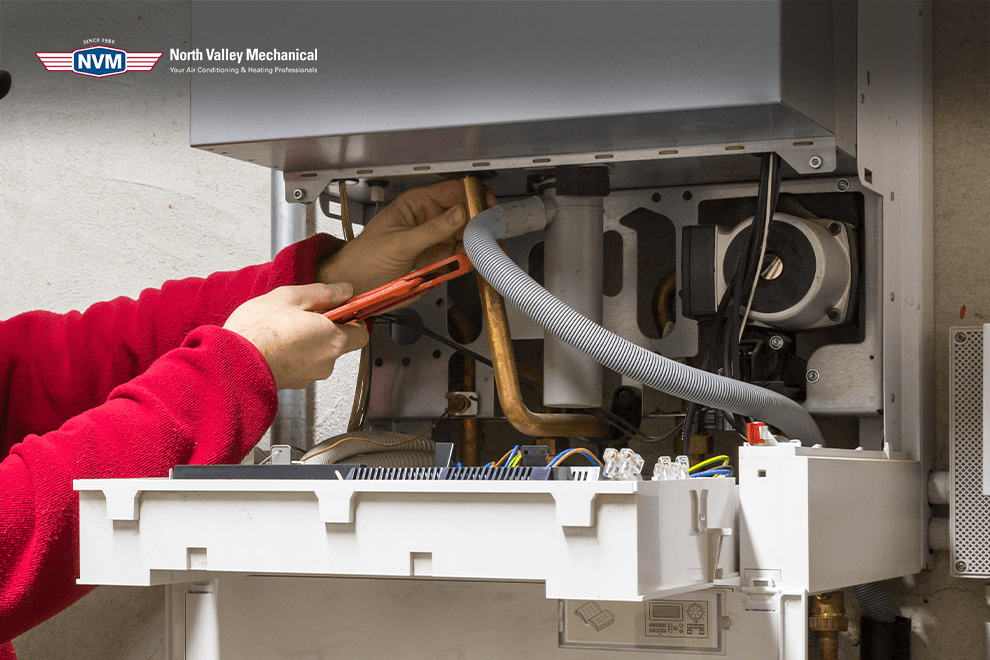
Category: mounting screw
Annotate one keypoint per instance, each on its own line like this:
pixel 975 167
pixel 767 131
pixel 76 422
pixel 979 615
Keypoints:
pixel 862 98
pixel 842 185
pixel 298 193
pixel 623 395
pixel 776 342
pixel 834 228
pixel 815 162
pixel 960 337
pixel 813 376
pixel 960 567
pixel 834 315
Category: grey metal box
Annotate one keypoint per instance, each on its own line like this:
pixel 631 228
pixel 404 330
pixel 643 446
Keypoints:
pixel 413 83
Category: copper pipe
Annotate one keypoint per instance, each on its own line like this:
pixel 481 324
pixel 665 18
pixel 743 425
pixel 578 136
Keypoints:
pixel 519 415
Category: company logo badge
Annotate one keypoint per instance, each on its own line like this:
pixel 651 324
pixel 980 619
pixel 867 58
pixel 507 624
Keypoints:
pixel 99 61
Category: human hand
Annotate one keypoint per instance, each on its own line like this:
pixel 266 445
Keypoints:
pixel 288 327
pixel 419 228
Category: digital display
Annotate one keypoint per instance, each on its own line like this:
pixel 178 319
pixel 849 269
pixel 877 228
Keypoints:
pixel 665 611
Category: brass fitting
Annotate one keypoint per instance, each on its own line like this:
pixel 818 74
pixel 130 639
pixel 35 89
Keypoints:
pixel 828 619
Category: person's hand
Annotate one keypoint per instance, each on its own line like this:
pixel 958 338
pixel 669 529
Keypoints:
pixel 420 227
pixel 298 342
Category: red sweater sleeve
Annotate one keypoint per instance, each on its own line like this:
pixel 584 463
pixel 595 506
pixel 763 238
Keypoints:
pixel 208 401
pixel 128 388
pixel 55 366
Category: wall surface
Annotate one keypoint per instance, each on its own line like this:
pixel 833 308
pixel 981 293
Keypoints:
pixel 100 196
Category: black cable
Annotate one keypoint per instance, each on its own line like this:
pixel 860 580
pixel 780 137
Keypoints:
pixel 403 320
pixel 628 430
pixel 726 327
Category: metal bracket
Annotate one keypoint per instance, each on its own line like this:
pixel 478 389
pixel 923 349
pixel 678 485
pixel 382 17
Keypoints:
pixel 305 187
pixel 281 455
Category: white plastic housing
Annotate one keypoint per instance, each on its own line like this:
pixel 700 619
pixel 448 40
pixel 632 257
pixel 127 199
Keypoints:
pixel 623 541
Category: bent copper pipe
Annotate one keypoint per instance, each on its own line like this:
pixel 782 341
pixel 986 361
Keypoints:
pixel 519 415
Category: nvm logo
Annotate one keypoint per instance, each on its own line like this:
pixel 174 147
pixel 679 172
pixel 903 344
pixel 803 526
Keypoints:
pixel 99 61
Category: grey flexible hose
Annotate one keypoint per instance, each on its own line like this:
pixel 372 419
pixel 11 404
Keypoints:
pixel 387 441
pixel 875 602
pixel 391 459
pixel 620 355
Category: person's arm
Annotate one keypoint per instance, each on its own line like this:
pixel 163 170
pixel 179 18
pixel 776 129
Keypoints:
pixel 206 402
pixel 55 366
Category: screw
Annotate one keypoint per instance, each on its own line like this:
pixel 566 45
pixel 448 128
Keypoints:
pixel 960 337
pixel 960 567
pixel 623 395
pixel 815 162
pixel 834 228
pixel 298 193
pixel 834 315
pixel 891 195
pixel 776 342
pixel 862 98
pixel 891 296
pixel 842 185
pixel 813 376
pixel 458 404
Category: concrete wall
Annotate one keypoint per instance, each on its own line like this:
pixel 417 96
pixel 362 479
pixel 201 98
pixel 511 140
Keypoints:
pixel 100 199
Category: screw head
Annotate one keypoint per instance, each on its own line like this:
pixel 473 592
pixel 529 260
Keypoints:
pixel 834 228
pixel 623 395
pixel 813 376
pixel 960 567
pixel 842 185
pixel 960 337
pixel 834 315
pixel 776 342
pixel 298 193
pixel 815 162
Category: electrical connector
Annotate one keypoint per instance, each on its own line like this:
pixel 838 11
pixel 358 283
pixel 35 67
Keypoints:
pixel 624 465
pixel 667 470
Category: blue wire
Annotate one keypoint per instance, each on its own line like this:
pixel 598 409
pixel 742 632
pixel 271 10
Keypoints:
pixel 580 450
pixel 511 455
pixel 712 473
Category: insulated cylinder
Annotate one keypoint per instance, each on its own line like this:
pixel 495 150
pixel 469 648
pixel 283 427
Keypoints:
pixel 573 273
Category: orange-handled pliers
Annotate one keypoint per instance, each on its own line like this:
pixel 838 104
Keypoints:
pixel 400 290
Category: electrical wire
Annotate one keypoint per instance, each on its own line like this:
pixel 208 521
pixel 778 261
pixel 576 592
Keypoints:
pixel 774 175
pixel 506 457
pixel 713 473
pixel 629 431
pixel 405 320
pixel 362 391
pixel 567 453
pixel 728 311
pixel 704 464
pixel 345 212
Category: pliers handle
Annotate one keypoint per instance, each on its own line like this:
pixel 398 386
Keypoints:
pixel 400 290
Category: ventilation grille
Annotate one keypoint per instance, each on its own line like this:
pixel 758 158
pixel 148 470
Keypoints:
pixel 455 473
pixel 585 473
pixel 970 509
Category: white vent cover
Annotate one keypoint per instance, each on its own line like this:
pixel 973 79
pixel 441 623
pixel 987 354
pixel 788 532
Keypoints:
pixel 969 508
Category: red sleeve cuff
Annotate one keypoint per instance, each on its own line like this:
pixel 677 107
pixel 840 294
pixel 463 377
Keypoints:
pixel 299 262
